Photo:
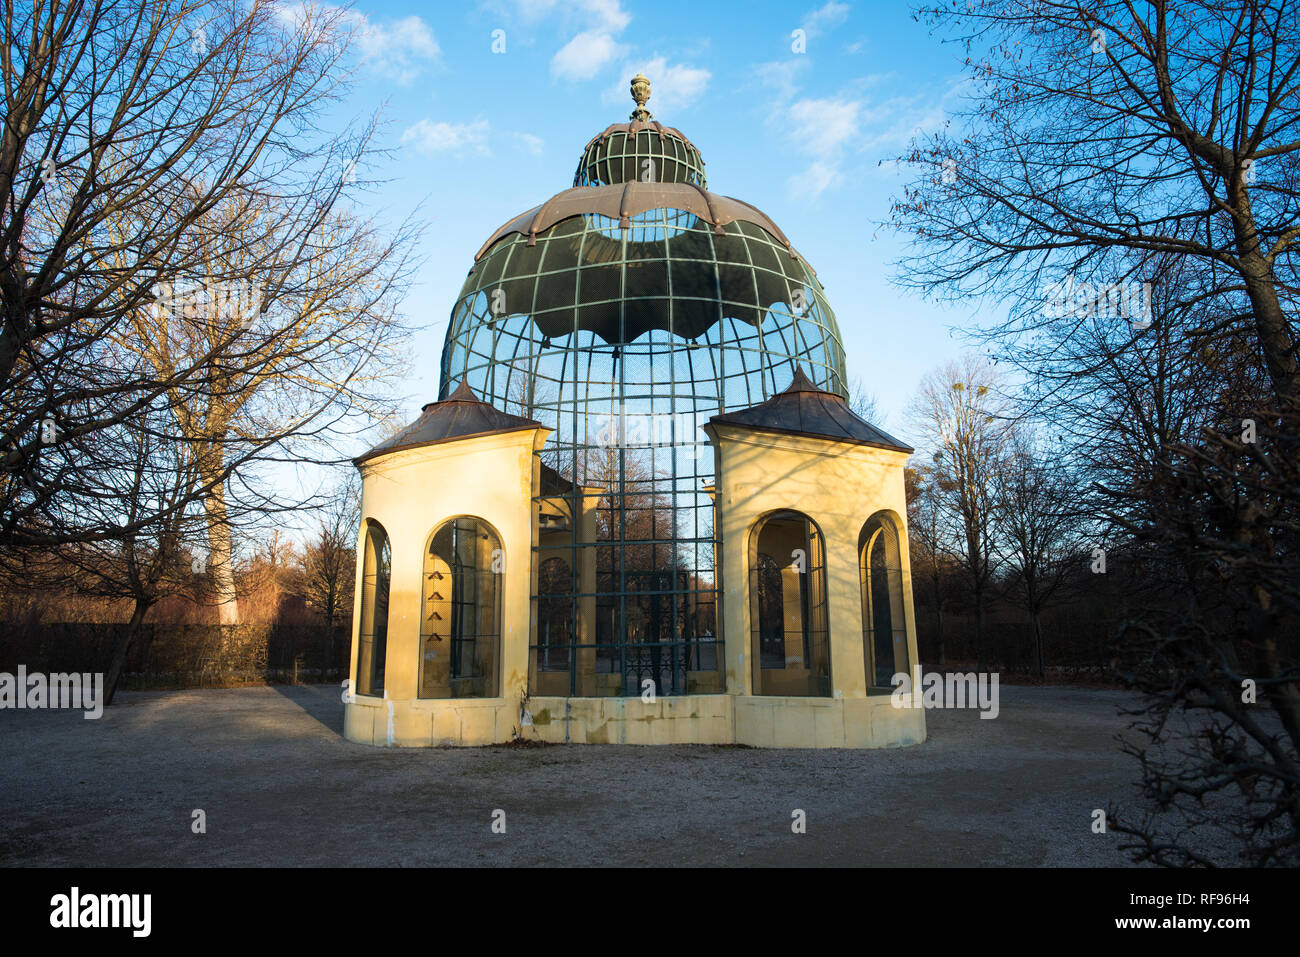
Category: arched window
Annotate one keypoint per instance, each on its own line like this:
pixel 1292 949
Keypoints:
pixel 554 615
pixel 884 628
pixel 461 628
pixel 372 635
pixel 789 644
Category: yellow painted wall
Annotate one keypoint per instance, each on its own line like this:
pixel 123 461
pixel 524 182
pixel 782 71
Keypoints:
pixel 411 492
pixel 839 486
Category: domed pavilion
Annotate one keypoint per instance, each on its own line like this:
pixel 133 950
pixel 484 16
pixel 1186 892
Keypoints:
pixel 641 510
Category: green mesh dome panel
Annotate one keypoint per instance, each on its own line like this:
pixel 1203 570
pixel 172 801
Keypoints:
pixel 588 285
pixel 645 152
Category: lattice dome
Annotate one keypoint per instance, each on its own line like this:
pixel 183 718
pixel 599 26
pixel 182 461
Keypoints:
pixel 622 314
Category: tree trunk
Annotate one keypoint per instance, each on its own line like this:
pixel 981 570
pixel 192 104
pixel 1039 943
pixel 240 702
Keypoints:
pixel 220 566
pixel 1038 643
pixel 327 652
pixel 1272 325
pixel 122 648
pixel 938 608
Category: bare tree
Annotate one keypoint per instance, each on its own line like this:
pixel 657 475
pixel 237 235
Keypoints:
pixel 329 559
pixel 1112 147
pixel 930 539
pixel 308 313
pixel 150 490
pixel 1036 515
pixel 1100 134
pixel 128 131
pixel 1218 740
pixel 962 418
pixel 863 402
pixel 527 393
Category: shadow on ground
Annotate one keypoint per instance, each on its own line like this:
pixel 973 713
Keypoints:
pixel 329 712
pixel 280 786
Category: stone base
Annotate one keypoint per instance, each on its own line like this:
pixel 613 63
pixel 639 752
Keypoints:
pixel 761 722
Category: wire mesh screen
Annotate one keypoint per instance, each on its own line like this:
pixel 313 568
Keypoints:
pixel 624 341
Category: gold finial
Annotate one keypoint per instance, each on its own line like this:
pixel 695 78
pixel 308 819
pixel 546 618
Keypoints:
pixel 641 93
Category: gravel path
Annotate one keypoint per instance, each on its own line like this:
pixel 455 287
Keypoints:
pixel 280 786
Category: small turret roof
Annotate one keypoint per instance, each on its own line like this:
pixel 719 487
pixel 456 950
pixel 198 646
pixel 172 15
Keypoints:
pixel 461 415
pixel 804 409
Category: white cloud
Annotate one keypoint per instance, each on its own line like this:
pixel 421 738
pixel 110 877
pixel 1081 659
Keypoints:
pixel 822 127
pixel 463 139
pixel 531 143
pixel 398 49
pixel 583 56
pixel 815 180
pixel 398 46
pixel 597 16
pixel 846 135
pixel 607 15
pixel 825 18
pixel 455 138
pixel 780 75
pixel 673 86
pixel 586 53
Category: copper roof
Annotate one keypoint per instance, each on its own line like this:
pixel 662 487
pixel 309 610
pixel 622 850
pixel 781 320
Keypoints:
pixel 804 409
pixel 623 200
pixel 459 416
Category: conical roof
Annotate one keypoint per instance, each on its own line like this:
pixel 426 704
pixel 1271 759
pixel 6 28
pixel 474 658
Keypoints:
pixel 461 415
pixel 804 409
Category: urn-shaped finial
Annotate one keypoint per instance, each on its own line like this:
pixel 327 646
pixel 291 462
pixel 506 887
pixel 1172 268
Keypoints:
pixel 641 93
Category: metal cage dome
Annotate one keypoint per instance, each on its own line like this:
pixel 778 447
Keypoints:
pixel 635 269
pixel 622 314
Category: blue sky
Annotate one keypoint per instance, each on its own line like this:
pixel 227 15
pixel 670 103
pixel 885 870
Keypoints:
pixel 478 137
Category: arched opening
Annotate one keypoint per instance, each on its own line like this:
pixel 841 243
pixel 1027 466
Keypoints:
pixel 372 635
pixel 460 631
pixel 555 635
pixel 884 627
pixel 789 643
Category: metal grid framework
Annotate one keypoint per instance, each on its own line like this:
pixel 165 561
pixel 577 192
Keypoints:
pixel 624 341
pixel 646 155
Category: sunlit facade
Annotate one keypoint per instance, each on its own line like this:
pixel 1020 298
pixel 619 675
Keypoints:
pixel 641 510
